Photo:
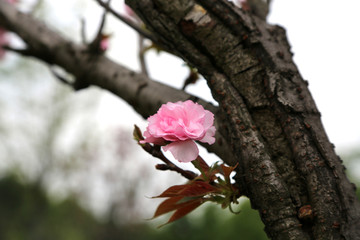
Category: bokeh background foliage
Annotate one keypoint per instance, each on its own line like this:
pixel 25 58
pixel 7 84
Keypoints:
pixel 28 213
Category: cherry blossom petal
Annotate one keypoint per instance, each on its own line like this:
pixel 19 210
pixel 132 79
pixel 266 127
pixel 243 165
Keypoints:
pixel 183 151
pixel 209 136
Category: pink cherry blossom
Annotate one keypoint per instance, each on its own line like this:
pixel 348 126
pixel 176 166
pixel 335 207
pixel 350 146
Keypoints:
pixel 104 42
pixel 176 125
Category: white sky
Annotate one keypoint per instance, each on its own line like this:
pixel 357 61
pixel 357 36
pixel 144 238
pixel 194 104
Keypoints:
pixel 325 38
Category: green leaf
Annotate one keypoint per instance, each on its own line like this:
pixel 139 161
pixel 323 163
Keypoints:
pixel 137 134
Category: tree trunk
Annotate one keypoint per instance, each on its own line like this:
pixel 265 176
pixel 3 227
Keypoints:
pixel 287 166
pixel 266 114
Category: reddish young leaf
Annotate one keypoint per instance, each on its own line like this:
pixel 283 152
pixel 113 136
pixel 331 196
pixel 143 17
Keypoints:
pixel 173 191
pixel 198 188
pixel 166 206
pixel 211 174
pixel 186 208
pixel 172 204
pixel 202 164
pixel 227 170
pixel 207 173
pixel 192 189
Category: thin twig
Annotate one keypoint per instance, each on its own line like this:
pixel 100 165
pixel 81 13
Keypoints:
pixel 103 19
pixel 128 22
pixel 95 44
pixel 78 84
pixel 185 173
pixel 83 31
pixel 155 151
pixel 142 56
pixel 23 52
pixel 61 78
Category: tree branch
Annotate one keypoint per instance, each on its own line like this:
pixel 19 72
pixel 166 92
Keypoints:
pixel 142 93
pixel 266 113
pixel 128 22
pixel 96 42
pixel 285 158
pixel 155 151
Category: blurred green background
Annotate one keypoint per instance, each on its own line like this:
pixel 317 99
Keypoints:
pixel 28 213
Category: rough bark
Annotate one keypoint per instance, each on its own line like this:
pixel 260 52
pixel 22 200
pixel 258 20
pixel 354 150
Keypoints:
pixel 285 159
pixel 287 166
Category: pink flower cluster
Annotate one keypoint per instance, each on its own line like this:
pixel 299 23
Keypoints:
pixel 104 42
pixel 175 127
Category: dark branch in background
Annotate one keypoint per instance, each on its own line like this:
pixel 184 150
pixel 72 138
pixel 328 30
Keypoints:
pixel 61 78
pixel 128 22
pixel 95 44
pixel 23 52
pixel 191 78
pixel 142 34
pixel 141 56
pixel 143 94
pixel 83 31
